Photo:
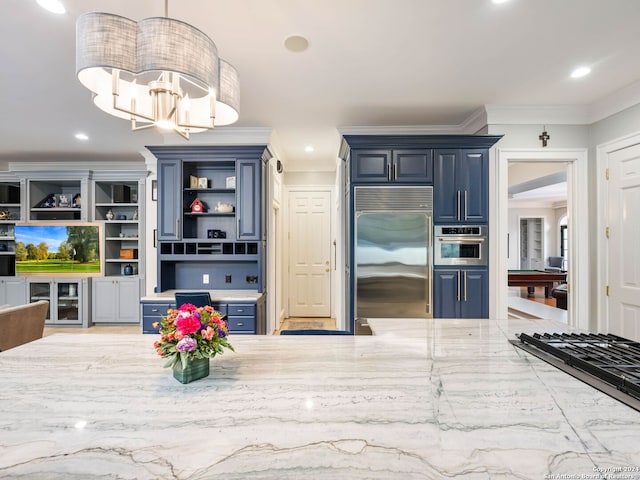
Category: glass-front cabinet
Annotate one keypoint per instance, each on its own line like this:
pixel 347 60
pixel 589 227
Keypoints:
pixel 65 297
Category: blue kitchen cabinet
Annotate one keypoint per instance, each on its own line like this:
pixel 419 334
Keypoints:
pixel 461 186
pixel 248 317
pixel 392 166
pixel 461 292
pixel 169 197
pixel 248 206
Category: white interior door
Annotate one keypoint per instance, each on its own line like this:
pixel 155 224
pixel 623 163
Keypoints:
pixel 624 238
pixel 310 254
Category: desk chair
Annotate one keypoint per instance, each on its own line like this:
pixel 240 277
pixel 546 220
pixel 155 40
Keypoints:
pixel 199 299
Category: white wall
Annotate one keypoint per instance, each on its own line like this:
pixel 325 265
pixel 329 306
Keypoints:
pixel 549 236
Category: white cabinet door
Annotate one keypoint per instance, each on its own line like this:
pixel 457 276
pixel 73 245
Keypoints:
pixel 116 300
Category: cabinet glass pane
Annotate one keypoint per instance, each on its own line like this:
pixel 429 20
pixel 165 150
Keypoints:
pixel 41 291
pixel 68 301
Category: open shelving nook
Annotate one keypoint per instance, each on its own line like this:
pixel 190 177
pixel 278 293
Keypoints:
pixel 214 186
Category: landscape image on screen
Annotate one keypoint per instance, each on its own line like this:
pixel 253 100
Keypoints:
pixel 57 249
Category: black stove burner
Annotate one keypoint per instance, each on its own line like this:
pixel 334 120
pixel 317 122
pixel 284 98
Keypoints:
pixel 607 362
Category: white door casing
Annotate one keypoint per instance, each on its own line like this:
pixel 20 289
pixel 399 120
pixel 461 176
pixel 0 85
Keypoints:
pixel 578 224
pixel 309 253
pixel 623 256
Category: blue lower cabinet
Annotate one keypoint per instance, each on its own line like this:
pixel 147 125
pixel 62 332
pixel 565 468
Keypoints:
pixel 241 317
pixel 153 312
pixel 461 292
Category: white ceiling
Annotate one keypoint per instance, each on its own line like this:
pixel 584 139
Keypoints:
pixel 369 63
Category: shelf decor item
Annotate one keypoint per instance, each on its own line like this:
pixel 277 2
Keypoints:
pixel 189 334
pixel 197 206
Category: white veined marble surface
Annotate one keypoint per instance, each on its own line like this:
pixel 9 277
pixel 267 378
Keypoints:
pixel 423 399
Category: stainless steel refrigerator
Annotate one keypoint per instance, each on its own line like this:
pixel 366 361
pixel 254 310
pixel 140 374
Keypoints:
pixel 393 254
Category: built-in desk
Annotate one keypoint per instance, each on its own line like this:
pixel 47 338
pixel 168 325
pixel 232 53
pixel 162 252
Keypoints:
pixel 245 309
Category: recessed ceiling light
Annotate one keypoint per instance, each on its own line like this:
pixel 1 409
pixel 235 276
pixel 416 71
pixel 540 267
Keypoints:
pixel 82 136
pixel 308 148
pixel 54 6
pixel 296 43
pixel 580 72
pixel 500 1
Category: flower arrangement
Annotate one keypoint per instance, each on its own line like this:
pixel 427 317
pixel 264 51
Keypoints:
pixel 190 333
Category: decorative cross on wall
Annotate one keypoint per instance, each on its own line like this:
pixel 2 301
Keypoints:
pixel 544 136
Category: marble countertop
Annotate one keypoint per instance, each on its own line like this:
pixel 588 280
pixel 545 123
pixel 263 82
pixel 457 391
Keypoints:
pixel 422 399
pixel 216 295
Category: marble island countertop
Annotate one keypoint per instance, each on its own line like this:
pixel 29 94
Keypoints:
pixel 426 399
pixel 216 295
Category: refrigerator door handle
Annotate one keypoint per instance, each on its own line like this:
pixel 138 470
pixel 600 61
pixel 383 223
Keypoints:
pixel 465 286
pixel 465 205
pixel 459 286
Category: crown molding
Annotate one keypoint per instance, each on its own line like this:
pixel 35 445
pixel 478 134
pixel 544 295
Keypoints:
pixel 623 99
pixel 527 115
pixel 618 101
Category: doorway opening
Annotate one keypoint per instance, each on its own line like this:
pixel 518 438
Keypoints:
pixel 537 199
pixel 505 247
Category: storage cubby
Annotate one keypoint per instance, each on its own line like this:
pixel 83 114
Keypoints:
pixel 55 200
pixel 10 213
pixel 117 206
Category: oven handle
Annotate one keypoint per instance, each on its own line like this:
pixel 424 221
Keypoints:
pixel 461 240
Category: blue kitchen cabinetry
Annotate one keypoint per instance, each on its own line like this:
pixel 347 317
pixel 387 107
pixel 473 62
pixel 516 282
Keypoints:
pixel 458 168
pixel 461 186
pixel 392 166
pixel 461 292
pixel 169 199
pixel 219 246
pixel 248 205
pixel 243 317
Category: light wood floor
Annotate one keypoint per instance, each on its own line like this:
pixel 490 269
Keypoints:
pixel 538 296
pixel 94 329
pixel 305 323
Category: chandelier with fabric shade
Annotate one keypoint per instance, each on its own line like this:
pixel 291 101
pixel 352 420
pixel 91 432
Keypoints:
pixel 156 72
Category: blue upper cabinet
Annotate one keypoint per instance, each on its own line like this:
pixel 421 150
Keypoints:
pixel 169 199
pixel 461 193
pixel 392 166
pixel 248 199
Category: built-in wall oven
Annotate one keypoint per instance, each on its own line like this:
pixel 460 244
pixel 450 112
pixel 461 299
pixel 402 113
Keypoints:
pixel 460 245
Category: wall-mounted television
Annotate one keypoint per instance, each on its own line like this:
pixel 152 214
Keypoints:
pixel 59 249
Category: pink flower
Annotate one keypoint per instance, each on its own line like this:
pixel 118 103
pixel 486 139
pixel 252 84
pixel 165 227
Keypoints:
pixel 187 324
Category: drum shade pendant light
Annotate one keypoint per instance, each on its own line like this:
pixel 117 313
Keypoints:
pixel 156 72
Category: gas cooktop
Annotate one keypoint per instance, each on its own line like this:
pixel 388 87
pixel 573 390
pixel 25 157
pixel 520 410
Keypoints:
pixel 606 362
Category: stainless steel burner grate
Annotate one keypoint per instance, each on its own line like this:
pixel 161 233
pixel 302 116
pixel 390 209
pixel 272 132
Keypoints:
pixel 607 362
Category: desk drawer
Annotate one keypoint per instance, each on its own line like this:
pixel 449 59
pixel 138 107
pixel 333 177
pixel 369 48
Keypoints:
pixel 156 309
pixel 241 309
pixel 147 324
pixel 241 324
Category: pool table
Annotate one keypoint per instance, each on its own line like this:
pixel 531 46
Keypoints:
pixel 536 278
